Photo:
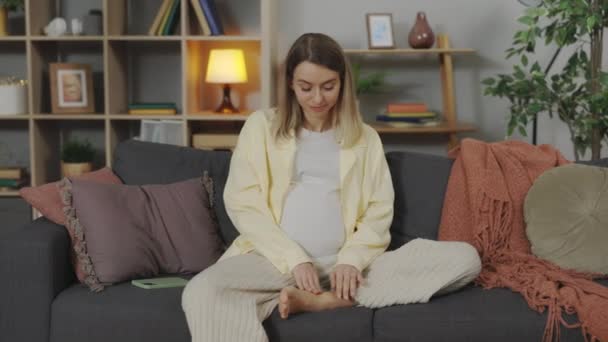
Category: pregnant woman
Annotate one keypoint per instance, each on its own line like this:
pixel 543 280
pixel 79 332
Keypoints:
pixel 310 192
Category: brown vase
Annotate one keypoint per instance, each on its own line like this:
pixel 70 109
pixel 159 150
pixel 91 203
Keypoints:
pixel 421 36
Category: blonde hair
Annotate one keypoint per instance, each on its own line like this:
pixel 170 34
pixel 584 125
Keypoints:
pixel 322 50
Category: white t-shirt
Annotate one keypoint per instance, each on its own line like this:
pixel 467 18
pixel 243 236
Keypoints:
pixel 312 214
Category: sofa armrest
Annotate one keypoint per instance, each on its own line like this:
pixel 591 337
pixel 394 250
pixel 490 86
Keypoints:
pixel 34 268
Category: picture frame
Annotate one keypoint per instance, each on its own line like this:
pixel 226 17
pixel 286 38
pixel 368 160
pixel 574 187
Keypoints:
pixel 71 88
pixel 380 31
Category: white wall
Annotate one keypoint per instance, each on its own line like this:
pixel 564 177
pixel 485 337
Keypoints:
pixel 484 25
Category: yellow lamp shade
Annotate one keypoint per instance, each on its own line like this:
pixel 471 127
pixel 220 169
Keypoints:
pixel 226 66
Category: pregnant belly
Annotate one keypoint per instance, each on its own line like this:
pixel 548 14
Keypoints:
pixel 312 217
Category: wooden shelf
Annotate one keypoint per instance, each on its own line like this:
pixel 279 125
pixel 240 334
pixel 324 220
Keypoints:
pixel 433 51
pixel 224 38
pixel 5 193
pixel 145 38
pixel 13 39
pixel 96 116
pixel 67 39
pixel 211 116
pixel 145 117
pixel 15 117
pixel 443 128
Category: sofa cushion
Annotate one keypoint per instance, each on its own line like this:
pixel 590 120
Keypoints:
pixel 125 313
pixel 121 232
pixel 472 314
pixel 566 222
pixel 137 162
pixel 121 313
pixel 340 325
pixel 420 182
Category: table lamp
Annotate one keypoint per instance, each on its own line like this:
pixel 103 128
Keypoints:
pixel 226 66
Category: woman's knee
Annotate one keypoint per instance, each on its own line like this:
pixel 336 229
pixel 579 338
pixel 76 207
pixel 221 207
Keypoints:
pixel 207 284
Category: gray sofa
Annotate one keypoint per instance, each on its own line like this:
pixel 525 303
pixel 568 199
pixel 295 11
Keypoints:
pixel 41 301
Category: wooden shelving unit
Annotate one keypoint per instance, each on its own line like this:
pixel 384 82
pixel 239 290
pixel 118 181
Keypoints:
pixel 122 60
pixel 451 126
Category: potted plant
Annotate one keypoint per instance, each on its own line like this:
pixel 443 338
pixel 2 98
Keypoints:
pixel 366 84
pixel 77 158
pixel 578 92
pixel 369 83
pixel 5 7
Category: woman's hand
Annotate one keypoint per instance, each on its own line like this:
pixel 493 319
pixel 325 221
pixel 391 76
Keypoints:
pixel 345 279
pixel 306 277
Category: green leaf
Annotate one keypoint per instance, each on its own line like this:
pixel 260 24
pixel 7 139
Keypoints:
pixel 536 12
pixel 522 131
pixel 511 125
pixel 591 21
pixel 519 74
pixel 535 108
pixel 524 60
pixel 583 56
pixel 535 67
pixel 526 20
pixel 604 78
pixel 489 81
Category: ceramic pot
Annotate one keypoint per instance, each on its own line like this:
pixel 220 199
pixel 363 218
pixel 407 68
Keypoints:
pixel 75 169
pixel 421 36
pixel 92 23
pixel 13 99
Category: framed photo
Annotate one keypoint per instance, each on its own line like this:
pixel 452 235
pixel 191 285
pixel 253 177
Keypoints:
pixel 71 88
pixel 380 31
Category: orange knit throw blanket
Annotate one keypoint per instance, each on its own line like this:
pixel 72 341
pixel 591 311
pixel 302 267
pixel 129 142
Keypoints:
pixel 484 207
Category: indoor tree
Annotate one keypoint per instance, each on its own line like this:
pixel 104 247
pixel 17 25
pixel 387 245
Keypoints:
pixel 578 92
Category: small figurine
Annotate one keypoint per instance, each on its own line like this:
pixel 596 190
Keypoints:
pixel 57 27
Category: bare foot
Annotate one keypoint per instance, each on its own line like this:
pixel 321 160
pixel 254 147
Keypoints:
pixel 293 300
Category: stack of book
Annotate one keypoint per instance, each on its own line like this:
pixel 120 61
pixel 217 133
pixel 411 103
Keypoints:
pixel 208 17
pixel 166 20
pixel 12 178
pixel 153 108
pixel 408 115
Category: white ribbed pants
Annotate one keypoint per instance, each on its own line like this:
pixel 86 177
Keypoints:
pixel 228 301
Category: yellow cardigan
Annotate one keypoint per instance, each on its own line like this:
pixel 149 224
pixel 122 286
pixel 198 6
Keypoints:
pixel 259 179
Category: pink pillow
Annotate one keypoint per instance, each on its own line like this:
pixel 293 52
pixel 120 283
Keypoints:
pixel 45 198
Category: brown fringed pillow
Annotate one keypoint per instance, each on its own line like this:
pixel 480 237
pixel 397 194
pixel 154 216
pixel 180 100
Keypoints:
pixel 122 232
pixel 45 198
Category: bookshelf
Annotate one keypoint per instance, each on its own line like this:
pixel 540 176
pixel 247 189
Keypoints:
pixel 450 125
pixel 131 66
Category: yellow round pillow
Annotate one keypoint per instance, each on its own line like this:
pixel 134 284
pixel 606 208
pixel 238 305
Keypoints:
pixel 566 214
